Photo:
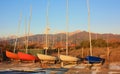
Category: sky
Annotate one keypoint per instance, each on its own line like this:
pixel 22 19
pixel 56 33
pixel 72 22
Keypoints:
pixel 104 16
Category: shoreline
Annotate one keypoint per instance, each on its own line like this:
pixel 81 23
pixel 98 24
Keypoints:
pixel 55 68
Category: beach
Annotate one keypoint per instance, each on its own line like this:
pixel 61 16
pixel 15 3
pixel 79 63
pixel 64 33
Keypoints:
pixel 18 67
pixel 29 68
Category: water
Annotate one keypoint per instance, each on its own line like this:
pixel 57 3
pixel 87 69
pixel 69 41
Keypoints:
pixel 18 72
pixel 38 71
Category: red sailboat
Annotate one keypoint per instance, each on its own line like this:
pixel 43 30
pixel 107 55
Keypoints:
pixel 12 55
pixel 26 57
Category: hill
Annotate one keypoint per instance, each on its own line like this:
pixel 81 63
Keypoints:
pixel 75 38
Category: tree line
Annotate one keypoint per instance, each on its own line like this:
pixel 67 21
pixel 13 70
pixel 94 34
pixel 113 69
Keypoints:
pixel 83 44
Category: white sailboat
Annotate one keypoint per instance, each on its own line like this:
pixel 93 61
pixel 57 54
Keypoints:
pixel 67 57
pixel 45 57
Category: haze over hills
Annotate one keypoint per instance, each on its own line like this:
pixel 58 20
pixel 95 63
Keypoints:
pixel 73 37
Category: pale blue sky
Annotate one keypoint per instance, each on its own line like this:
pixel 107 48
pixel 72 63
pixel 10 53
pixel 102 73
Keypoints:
pixel 105 15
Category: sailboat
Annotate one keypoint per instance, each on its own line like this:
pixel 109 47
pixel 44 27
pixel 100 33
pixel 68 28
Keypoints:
pixel 25 56
pixel 45 57
pixel 66 57
pixel 92 59
pixel 13 55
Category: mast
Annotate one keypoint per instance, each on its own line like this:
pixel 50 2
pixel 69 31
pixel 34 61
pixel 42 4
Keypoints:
pixel 47 28
pixel 30 17
pixel 26 41
pixel 66 27
pixel 88 7
pixel 18 31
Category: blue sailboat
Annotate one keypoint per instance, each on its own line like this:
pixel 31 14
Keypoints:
pixel 92 59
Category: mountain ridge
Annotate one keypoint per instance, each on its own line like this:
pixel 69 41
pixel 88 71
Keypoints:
pixel 73 36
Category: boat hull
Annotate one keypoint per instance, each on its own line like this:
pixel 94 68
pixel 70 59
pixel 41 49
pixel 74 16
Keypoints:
pixel 68 58
pixel 12 55
pixel 26 57
pixel 93 59
pixel 46 57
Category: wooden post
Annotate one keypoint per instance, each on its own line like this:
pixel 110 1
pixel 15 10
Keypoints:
pixel 62 64
pixel 82 52
pixel 108 54
pixel 58 52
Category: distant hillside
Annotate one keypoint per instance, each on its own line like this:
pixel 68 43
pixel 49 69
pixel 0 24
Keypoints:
pixel 76 36
pixel 85 36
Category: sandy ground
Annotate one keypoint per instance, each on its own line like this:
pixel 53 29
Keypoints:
pixel 55 68
pixel 32 67
pixel 113 68
pixel 17 65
